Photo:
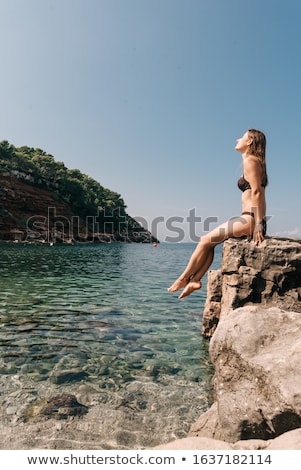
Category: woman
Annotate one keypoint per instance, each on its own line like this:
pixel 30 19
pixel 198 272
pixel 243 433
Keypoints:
pixel 252 183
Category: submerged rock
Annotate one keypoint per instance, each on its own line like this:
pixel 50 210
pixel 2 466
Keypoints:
pixel 60 407
pixel 60 377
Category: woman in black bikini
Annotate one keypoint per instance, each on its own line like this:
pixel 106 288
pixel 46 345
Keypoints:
pixel 251 222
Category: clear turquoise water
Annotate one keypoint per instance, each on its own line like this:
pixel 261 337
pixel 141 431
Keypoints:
pixel 104 312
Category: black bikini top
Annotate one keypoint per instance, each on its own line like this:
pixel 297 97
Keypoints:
pixel 244 184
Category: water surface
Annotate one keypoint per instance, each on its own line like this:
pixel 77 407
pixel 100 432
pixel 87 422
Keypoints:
pixel 99 317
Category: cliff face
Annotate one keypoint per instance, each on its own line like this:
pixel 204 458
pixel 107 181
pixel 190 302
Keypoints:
pixel 34 214
pixel 25 209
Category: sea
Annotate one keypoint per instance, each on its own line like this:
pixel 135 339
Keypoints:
pixel 97 321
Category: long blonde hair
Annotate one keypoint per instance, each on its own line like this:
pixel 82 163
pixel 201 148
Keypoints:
pixel 257 148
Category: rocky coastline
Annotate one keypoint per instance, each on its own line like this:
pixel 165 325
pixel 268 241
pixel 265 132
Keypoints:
pixel 30 213
pixel 252 318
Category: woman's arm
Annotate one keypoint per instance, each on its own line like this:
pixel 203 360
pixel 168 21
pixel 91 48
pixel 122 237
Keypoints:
pixel 253 173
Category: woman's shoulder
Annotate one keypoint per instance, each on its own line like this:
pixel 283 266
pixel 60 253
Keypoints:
pixel 251 162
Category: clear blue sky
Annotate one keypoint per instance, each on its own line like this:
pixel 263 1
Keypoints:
pixel 149 96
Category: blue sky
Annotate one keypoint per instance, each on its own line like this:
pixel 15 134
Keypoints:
pixel 148 97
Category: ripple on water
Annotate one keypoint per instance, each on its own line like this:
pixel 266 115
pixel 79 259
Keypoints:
pixel 98 318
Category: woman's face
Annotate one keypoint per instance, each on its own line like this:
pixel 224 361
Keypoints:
pixel 243 142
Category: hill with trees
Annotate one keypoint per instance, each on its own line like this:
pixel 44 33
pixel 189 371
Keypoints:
pixel 42 200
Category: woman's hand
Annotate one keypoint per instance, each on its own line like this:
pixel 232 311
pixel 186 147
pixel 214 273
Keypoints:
pixel 258 236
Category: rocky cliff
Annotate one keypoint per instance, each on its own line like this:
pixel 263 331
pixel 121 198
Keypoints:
pixel 36 214
pixel 252 317
pixel 265 275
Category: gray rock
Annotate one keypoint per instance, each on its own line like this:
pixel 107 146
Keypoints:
pixel 252 315
pixel 11 410
pixel 257 357
pixel 268 274
pixel 289 441
pixel 59 407
pixel 60 377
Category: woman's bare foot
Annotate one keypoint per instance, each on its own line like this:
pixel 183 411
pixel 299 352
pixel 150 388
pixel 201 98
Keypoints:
pixel 191 287
pixel 178 284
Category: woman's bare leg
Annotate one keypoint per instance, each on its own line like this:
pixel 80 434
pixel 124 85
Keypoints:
pixel 197 261
pixel 200 260
pixel 202 256
pixel 195 282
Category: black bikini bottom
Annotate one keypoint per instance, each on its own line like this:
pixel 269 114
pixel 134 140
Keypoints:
pixel 264 222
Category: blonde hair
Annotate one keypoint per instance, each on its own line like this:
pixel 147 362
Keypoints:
pixel 257 148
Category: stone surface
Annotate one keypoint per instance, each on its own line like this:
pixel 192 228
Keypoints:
pixel 59 407
pixel 288 441
pixel 208 425
pixel 256 354
pixel 212 309
pixel 195 443
pixel 268 274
